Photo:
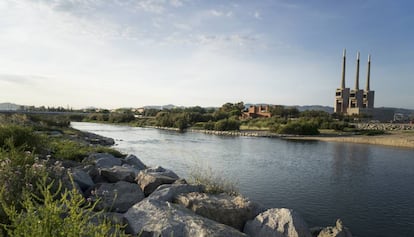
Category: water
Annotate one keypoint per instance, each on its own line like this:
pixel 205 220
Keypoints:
pixel 369 187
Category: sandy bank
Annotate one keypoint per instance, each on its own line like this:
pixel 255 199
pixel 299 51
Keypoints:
pixel 396 139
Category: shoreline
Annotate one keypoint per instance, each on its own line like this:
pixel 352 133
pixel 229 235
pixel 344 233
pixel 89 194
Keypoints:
pixel 399 139
pixel 395 139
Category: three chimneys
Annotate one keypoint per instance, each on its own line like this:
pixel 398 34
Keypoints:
pixel 354 101
pixel 367 87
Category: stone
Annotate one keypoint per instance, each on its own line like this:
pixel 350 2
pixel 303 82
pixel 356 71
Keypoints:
pixel 169 192
pixel 135 162
pixel 82 179
pixel 102 160
pixel 119 173
pixel 154 218
pixel 233 211
pixel 339 230
pixel 115 197
pixel 277 222
pixel 162 171
pixel 150 179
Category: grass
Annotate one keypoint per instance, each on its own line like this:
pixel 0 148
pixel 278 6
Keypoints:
pixel 212 181
pixel 66 149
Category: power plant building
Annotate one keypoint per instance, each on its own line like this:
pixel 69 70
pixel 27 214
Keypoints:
pixel 354 101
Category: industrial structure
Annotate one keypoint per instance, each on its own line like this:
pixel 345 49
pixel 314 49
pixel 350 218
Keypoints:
pixel 354 101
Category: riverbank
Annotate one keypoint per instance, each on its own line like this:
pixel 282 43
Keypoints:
pixel 395 138
pixel 403 139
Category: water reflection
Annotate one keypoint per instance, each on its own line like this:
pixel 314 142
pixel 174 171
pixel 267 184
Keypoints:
pixel 350 161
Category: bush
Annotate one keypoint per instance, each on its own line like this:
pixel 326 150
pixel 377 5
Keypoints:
pixel 20 136
pixel 227 125
pixel 209 125
pixel 19 170
pixel 213 182
pixel 45 215
pixel 299 128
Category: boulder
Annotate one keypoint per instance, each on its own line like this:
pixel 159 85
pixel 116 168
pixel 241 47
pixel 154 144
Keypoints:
pixel 134 162
pixel 119 173
pixel 82 178
pixel 277 222
pixel 150 179
pixel 154 218
pixel 162 171
pixel 339 230
pixel 102 160
pixel 169 192
pixel 233 211
pixel 116 197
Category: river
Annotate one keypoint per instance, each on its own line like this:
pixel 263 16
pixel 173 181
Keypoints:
pixel 369 187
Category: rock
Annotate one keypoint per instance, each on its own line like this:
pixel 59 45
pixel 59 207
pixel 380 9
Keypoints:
pixel 134 162
pixel 116 197
pixel 233 211
pixel 168 192
pixel 277 222
pixel 155 218
pixel 119 173
pixel 97 139
pixel 162 171
pixel 150 179
pixel 315 230
pixel 339 230
pixel 103 160
pixel 82 179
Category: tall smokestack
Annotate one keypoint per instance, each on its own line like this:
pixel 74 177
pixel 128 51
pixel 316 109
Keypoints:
pixel 357 74
pixel 343 70
pixel 368 72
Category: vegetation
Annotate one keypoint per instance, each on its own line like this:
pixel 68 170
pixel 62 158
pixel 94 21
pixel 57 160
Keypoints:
pixel 55 213
pixel 31 202
pixel 213 182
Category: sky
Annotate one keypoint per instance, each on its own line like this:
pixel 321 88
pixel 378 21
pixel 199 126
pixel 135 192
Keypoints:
pixel 131 53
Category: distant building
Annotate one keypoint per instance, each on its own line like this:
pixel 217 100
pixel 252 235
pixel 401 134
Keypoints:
pixel 257 111
pixel 354 101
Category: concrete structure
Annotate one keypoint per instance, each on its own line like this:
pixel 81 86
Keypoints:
pixel 354 101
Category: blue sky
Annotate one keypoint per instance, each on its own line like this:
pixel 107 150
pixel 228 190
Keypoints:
pixel 115 53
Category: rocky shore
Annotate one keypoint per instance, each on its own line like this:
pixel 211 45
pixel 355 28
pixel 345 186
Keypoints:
pixel 154 201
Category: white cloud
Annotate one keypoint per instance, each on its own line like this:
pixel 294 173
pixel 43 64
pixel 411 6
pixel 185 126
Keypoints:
pixel 218 13
pixel 257 15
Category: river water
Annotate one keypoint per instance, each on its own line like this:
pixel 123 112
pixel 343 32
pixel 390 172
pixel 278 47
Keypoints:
pixel 371 188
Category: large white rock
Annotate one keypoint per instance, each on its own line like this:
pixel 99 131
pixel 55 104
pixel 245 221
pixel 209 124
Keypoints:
pixel 169 192
pixel 154 218
pixel 150 179
pixel 116 197
pixel 339 230
pixel 229 210
pixel 277 222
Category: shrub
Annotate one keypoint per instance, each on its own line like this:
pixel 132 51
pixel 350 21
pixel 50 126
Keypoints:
pixel 299 128
pixel 19 170
pixel 227 125
pixel 212 181
pixel 20 136
pixel 45 215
